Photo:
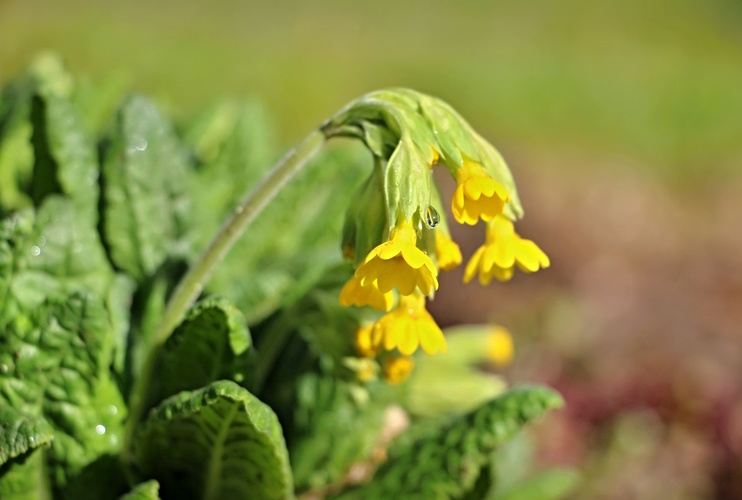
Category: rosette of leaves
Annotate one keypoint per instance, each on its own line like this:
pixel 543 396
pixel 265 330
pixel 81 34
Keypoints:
pixel 104 203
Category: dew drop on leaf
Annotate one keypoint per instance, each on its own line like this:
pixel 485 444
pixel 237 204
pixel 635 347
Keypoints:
pixel 140 143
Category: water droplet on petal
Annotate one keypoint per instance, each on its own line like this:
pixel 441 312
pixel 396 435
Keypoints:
pixel 432 218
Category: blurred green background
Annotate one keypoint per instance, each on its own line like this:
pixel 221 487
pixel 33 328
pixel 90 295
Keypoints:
pixel 622 122
pixel 657 81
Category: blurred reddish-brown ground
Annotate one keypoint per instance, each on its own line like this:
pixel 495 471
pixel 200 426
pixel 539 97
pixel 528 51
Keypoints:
pixel 638 323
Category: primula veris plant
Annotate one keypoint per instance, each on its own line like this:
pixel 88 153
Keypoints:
pixel 164 337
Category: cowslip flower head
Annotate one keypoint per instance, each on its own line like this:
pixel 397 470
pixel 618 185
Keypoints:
pixel 477 195
pixel 397 369
pixel 355 294
pixel 502 251
pixel 408 327
pixel 399 263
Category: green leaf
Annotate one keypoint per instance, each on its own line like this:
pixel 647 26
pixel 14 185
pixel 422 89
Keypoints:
pixel 55 365
pixel 144 178
pixel 552 484
pixel 236 142
pixel 212 343
pixel 25 479
pixel 16 152
pixel 119 303
pixel 65 159
pixel 297 236
pixel 54 253
pixel 21 434
pixel 216 442
pixel 148 490
pixel 332 430
pixel 448 463
pixel 21 462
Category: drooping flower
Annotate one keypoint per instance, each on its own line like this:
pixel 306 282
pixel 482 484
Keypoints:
pixel 477 195
pixel 399 263
pixel 449 253
pixel 355 294
pixel 502 251
pixel 397 369
pixel 408 326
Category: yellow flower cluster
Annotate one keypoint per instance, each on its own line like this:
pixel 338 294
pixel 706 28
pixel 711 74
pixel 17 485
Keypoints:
pixel 395 231
pixel 400 271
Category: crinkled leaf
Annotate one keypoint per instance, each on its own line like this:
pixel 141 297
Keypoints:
pixel 212 343
pixel 483 486
pixel 21 434
pixel 144 178
pixel 216 442
pixel 16 152
pixel 21 462
pixel 54 253
pixel 65 159
pixel 56 366
pixel 332 429
pixel 448 463
pixel 25 479
pixel 148 490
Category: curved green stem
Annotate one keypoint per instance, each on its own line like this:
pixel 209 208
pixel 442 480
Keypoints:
pixel 192 284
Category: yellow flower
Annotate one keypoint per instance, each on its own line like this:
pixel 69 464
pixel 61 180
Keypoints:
pixel 500 347
pixel 367 342
pixel 477 195
pixel 354 294
pixel 398 262
pixel 410 325
pixel 397 370
pixel 502 251
pixel 449 253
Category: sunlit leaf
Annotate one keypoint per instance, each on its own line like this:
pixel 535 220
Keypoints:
pixel 216 442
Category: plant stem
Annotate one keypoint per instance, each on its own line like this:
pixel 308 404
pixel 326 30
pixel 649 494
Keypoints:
pixel 192 284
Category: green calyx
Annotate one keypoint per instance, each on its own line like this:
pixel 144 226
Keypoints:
pixel 412 131
pixel 366 219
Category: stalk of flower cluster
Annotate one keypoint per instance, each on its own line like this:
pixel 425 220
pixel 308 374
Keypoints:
pixel 192 284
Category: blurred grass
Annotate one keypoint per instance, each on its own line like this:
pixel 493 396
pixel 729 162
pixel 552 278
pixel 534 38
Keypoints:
pixel 658 82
